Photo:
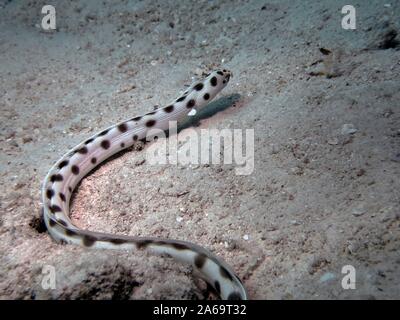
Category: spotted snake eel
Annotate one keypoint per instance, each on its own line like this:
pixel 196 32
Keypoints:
pixel 66 173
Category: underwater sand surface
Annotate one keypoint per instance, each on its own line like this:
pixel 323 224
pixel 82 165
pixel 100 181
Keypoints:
pixel 325 188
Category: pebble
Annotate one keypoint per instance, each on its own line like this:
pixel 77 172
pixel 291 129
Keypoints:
pixel 348 128
pixel 230 245
pixel 359 211
pixel 333 141
pixel 179 219
pixel 353 247
pixel 246 237
pixel 139 162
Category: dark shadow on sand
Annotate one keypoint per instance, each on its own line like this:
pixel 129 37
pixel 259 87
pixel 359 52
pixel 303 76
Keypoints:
pixel 210 110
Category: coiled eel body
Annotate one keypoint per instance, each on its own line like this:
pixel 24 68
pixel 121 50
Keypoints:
pixel 75 164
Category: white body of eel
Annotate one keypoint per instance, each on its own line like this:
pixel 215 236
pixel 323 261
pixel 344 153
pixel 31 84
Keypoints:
pixel 73 166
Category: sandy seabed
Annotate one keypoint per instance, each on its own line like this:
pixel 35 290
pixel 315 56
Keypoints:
pixel 325 188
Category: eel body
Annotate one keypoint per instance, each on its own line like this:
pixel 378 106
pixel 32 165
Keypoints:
pixel 66 173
